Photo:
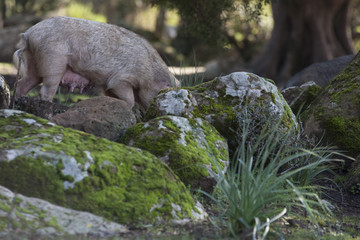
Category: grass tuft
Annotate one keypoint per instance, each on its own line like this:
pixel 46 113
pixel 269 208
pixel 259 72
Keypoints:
pixel 271 177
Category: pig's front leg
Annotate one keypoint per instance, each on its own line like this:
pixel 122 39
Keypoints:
pixel 49 87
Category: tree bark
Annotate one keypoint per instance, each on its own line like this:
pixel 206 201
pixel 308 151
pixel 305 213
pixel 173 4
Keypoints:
pixel 305 32
pixel 2 13
pixel 160 22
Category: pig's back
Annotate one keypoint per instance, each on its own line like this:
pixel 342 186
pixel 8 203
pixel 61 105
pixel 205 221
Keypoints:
pixel 96 49
pixel 81 33
pixel 92 46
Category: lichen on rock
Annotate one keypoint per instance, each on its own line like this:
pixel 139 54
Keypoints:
pixel 83 172
pixel 35 218
pixel 175 102
pixel 193 148
pixel 221 100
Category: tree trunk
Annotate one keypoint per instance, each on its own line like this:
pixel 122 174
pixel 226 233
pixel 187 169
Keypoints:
pixel 160 22
pixel 305 32
pixel 2 13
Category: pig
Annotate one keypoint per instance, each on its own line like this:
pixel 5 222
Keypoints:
pixel 80 53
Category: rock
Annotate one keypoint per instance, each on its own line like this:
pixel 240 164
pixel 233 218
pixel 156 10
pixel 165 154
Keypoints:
pixel 80 171
pixel 334 116
pixel 175 102
pixel 193 149
pixel 36 218
pixel 222 101
pixel 102 116
pixel 4 94
pixel 299 98
pixel 321 73
pixel 38 107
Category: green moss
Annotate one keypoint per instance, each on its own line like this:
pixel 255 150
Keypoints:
pixel 26 176
pixel 346 89
pixel 313 91
pixel 350 73
pixel 287 117
pixel 15 224
pixel 343 132
pixel 53 223
pixel 305 98
pixel 335 111
pixel 5 207
pixel 188 161
pixel 3 223
pixel 19 215
pixel 17 200
pixel 124 190
pixel 36 210
pixel 24 210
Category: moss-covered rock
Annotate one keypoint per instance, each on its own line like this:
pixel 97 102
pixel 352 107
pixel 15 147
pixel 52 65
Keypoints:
pixel 335 114
pixel 34 218
pixel 352 178
pixel 80 171
pixel 222 100
pixel 193 149
pixel 299 98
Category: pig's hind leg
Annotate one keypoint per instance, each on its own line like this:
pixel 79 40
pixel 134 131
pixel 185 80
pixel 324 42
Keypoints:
pixel 29 76
pixel 122 90
pixel 52 73
pixel 49 87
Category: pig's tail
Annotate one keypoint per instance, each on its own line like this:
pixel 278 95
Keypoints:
pixel 19 55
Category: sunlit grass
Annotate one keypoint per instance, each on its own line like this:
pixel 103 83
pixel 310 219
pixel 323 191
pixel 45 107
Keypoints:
pixel 7 68
pixel 62 96
pixel 189 76
pixel 172 18
pixel 84 11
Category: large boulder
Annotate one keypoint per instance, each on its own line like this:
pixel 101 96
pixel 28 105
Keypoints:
pixel 35 218
pixel 86 173
pixel 193 149
pixel 321 73
pixel 102 116
pixel 223 101
pixel 335 115
pixel 4 94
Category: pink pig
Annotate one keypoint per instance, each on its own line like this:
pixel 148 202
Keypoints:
pixel 79 53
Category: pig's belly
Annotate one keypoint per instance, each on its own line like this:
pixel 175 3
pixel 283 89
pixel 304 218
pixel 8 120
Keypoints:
pixel 73 80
